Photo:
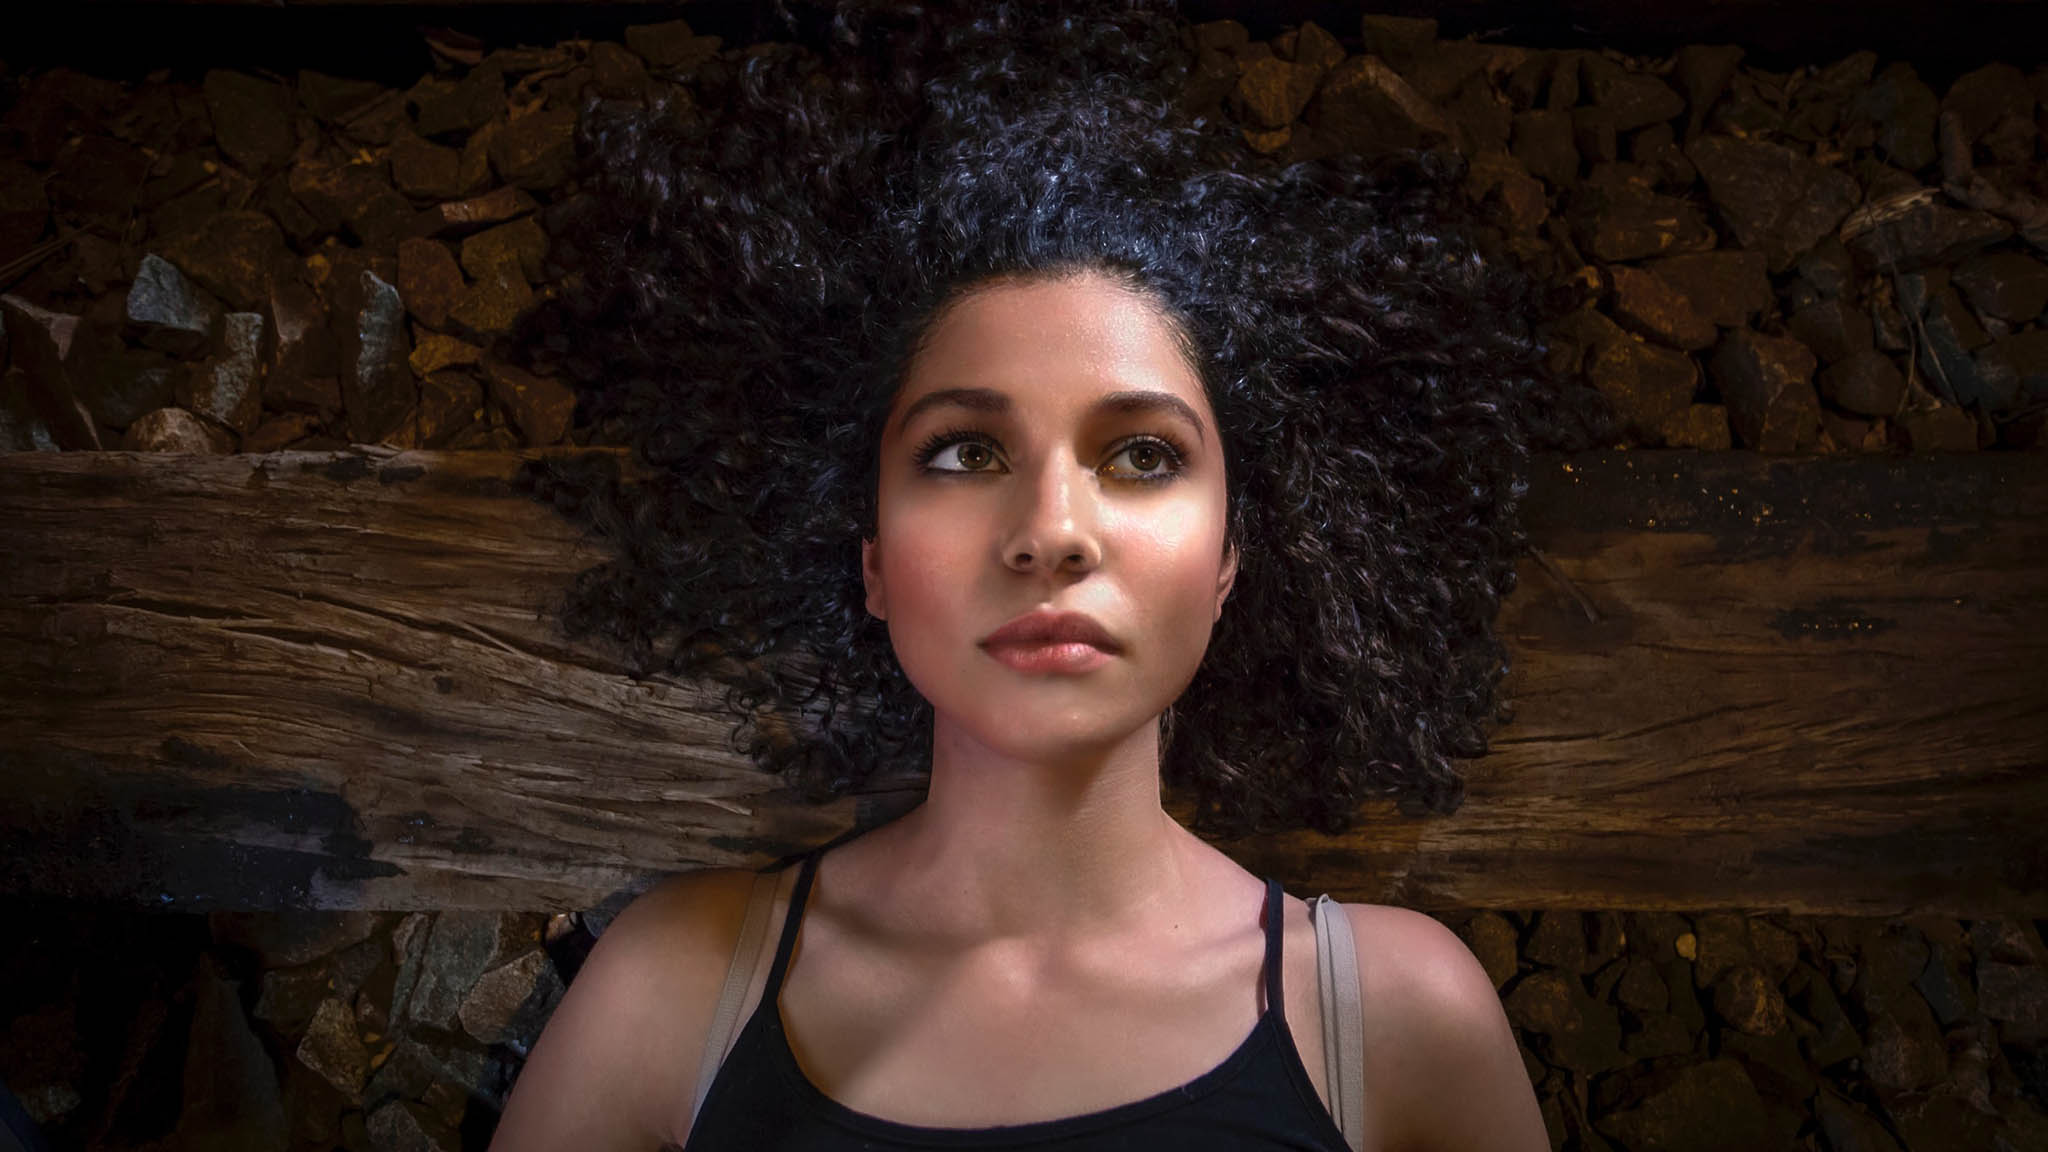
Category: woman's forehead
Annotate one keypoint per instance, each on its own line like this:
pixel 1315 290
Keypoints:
pixel 1080 344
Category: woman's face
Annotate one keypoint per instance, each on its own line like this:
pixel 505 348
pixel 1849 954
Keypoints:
pixel 1049 449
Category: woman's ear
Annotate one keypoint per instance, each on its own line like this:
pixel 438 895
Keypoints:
pixel 871 576
pixel 1226 581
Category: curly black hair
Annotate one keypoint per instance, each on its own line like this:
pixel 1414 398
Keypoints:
pixel 752 277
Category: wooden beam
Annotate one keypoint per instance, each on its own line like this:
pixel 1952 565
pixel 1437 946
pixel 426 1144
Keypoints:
pixel 329 680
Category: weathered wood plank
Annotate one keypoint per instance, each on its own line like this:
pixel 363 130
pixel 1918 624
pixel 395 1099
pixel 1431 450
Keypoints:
pixel 326 680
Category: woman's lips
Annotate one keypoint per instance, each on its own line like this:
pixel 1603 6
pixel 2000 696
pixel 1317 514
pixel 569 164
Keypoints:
pixel 1050 659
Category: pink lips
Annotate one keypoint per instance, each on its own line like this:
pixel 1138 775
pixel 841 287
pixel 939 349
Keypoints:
pixel 1045 641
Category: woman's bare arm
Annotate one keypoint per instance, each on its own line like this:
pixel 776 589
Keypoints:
pixel 1442 1068
pixel 616 1066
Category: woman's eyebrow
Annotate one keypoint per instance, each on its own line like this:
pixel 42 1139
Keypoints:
pixel 991 401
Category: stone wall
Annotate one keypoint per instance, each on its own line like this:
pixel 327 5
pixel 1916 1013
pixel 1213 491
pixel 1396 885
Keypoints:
pixel 1833 258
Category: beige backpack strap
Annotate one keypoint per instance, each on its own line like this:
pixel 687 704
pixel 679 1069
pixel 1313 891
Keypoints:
pixel 1343 1018
pixel 746 957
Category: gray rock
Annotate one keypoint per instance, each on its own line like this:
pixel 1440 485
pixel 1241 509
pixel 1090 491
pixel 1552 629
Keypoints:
pixel 377 387
pixel 2009 285
pixel 1900 113
pixel 1914 231
pixel 1952 334
pixel 2017 996
pixel 401 1126
pixel 459 947
pixel 1903 1049
pixel 1834 329
pixel 227 387
pixel 288 997
pixel 165 311
pixel 1775 200
pixel 510 1003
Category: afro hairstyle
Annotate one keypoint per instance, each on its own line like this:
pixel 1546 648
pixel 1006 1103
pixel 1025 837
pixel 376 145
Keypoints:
pixel 753 265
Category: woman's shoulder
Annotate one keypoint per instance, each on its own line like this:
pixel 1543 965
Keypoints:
pixel 1438 1043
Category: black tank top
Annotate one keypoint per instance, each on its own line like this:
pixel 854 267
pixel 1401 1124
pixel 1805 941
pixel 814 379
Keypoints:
pixel 1260 1097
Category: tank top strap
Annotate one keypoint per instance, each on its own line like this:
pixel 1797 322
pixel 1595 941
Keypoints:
pixel 1273 917
pixel 790 921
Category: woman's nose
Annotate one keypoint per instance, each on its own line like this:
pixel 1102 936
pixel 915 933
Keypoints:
pixel 1054 517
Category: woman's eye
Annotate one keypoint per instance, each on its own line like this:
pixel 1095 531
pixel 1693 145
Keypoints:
pixel 969 455
pixel 1150 459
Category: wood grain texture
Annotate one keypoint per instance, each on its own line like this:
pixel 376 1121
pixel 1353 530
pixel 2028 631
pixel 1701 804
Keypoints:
pixel 330 680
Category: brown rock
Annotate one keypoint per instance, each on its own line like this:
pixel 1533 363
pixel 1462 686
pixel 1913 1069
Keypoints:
pixel 1492 939
pixel 305 365
pixel 495 206
pixel 1641 988
pixel 252 119
pixel 1903 1049
pixel 540 407
pixel 489 308
pixel 1943 429
pixel 426 171
pixel 1767 383
pixel 1645 383
pixel 1619 223
pixel 175 430
pixel 1648 304
pixel 1558 939
pixel 432 352
pixel 1728 286
pixel 1369 107
pixel 1707 1107
pixel 280 432
pixel 1745 998
pixel 233 255
pixel 1543 141
pixel 1834 329
pixel 332 1049
pixel 616 73
pixel 1272 92
pixel 536 152
pixel 1631 100
pixel 451 109
pixel 517 248
pixel 671 45
pixel 1866 383
pixel 429 280
pixel 40 342
pixel 449 403
pixel 1703 427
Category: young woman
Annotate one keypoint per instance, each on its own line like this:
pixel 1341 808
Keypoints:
pixel 1002 421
